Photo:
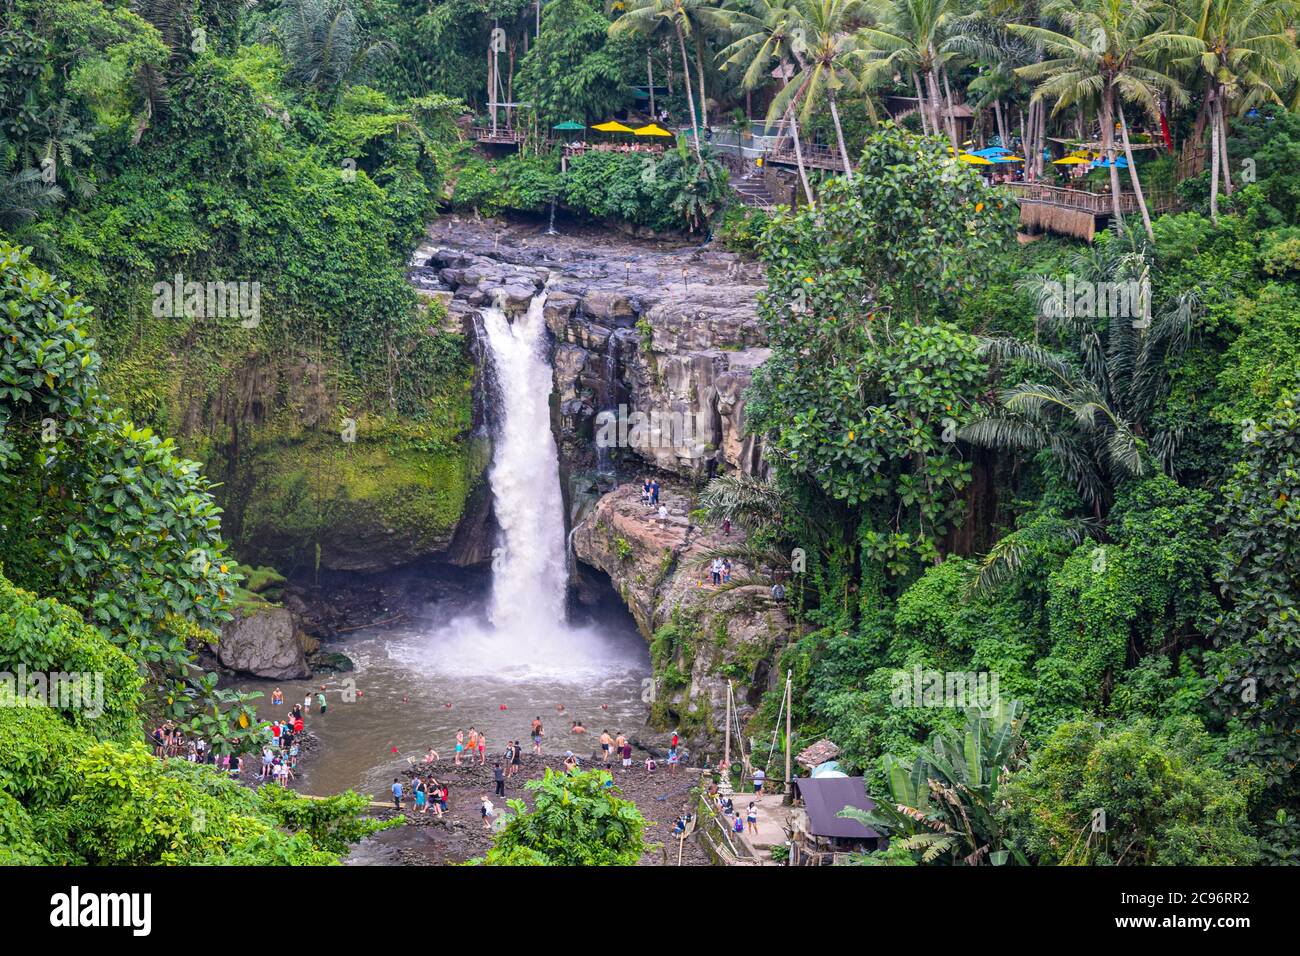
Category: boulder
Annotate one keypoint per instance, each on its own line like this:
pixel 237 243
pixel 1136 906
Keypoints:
pixel 263 641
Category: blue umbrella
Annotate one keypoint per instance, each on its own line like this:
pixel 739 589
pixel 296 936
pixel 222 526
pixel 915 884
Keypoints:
pixel 993 152
pixel 1120 162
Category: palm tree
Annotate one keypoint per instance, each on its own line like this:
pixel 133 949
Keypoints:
pixel 1248 55
pixel 1110 54
pixel 24 193
pixel 765 34
pixel 693 18
pixel 826 50
pixel 1089 405
pixel 910 38
pixel 325 45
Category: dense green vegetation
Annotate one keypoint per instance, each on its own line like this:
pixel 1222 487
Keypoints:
pixel 1130 582
pixel 1100 511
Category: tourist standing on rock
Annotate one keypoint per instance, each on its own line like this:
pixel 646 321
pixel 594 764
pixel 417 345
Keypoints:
pixel 751 818
pixel 397 793
pixel 760 778
pixel 482 749
pixel 421 796
pixel 499 776
pixel 672 761
pixel 509 755
pixel 460 745
pixel 471 744
pixel 627 755
pixel 645 492
pixel 517 760
pixel 537 735
pixel 606 742
pixel 654 492
pixel 715 572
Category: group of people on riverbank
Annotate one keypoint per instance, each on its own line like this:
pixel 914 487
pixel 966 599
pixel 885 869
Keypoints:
pixel 280 753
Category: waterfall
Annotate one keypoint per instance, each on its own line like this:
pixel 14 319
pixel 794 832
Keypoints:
pixel 529 566
pixel 525 637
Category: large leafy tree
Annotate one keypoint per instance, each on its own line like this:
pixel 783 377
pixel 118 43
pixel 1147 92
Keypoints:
pixel 867 384
pixel 574 69
pixel 1141 794
pixel 577 820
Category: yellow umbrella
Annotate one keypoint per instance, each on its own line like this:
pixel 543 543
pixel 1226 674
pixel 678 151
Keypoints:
pixel 1011 159
pixel 1071 161
pixel 652 130
pixel 613 126
pixel 975 160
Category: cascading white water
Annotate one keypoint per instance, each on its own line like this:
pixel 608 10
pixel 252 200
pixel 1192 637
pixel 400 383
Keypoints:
pixel 529 566
pixel 525 638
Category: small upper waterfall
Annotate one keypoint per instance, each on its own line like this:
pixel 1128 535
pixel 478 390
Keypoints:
pixel 529 566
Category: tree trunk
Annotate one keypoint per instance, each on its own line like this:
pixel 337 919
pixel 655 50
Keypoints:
pixel 947 98
pixel 839 133
pixel 1214 165
pixel 1108 147
pixel 690 97
pixel 1133 175
pixel 1002 124
pixel 699 69
pixel 798 152
pixel 650 78
pixel 935 102
pixel 1223 145
pixel 920 104
pixel 1024 141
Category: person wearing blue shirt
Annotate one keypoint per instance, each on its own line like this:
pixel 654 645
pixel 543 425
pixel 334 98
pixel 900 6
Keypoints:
pixel 397 793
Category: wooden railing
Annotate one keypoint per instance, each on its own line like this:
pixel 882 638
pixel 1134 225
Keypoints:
pixel 485 134
pixel 815 156
pixel 1099 204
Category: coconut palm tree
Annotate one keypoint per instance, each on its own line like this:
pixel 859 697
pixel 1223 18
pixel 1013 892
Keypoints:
pixel 909 38
pixel 1248 56
pixel 827 52
pixel 1110 54
pixel 765 34
pixel 696 19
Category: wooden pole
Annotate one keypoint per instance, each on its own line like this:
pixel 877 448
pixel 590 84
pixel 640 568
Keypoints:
pixel 727 746
pixel 789 693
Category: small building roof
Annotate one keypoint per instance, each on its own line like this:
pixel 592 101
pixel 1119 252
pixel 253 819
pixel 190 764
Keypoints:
pixel 825 797
pixel 817 753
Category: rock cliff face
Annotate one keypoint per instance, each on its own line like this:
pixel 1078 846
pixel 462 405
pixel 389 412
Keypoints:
pixel 669 334
pixel 700 635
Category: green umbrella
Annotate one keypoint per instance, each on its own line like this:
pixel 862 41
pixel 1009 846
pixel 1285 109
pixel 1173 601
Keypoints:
pixel 568 125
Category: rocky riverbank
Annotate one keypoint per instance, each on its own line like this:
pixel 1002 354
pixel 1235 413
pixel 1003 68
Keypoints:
pixel 459 835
